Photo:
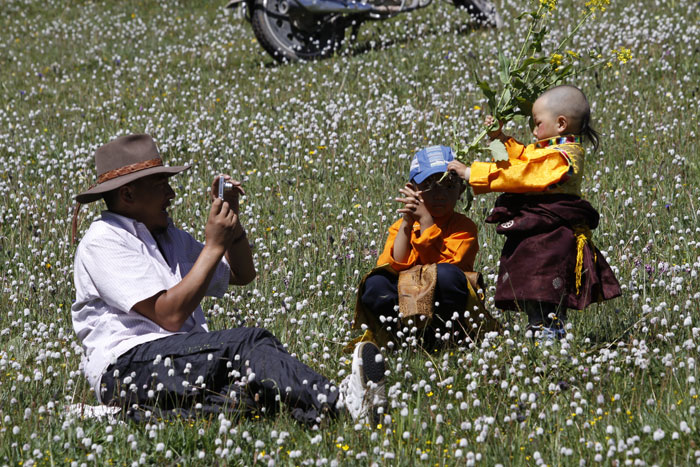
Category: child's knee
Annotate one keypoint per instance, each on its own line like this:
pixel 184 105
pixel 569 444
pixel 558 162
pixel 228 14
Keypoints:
pixel 380 292
pixel 451 277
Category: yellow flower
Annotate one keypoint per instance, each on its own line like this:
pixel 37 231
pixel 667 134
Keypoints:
pixel 556 59
pixel 623 54
pixel 594 5
pixel 549 4
pixel 572 53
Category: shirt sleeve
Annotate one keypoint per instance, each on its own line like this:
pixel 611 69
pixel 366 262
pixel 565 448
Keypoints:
pixel 187 243
pixel 116 285
pixel 457 245
pixel 526 170
pixel 387 256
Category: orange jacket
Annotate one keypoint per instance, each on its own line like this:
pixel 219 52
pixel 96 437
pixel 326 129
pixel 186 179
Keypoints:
pixel 450 240
pixel 532 168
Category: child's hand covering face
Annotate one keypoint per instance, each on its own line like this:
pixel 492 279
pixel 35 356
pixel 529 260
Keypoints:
pixel 440 197
pixel 414 208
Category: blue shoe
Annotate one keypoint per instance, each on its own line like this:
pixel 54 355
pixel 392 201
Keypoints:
pixel 544 334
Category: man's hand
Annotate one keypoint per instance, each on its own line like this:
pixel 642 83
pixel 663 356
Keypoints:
pixel 224 230
pixel 221 225
pixel 230 196
pixel 460 169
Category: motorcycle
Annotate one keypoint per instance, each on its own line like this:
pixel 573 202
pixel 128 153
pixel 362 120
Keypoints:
pixel 293 30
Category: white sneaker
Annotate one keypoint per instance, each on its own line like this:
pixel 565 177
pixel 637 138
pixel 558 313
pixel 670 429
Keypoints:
pixel 363 390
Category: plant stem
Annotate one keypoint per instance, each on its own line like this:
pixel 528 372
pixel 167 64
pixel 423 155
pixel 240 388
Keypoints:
pixel 527 37
pixel 516 65
pixel 571 34
pixel 478 138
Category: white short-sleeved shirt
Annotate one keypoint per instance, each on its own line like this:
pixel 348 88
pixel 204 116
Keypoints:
pixel 118 264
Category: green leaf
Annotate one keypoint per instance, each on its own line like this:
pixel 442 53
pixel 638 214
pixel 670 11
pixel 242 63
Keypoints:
pixel 529 62
pixel 504 68
pixel 564 73
pixel 486 89
pixel 537 39
pixel 489 93
pixel 505 101
pixel 498 150
pixel 524 106
pixel 520 119
pixel 507 115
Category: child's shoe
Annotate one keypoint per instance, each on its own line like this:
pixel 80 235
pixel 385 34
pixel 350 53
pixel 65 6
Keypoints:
pixel 363 391
pixel 547 334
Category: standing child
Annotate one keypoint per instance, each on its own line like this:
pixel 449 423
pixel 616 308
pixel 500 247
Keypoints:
pixel 548 263
pixel 429 233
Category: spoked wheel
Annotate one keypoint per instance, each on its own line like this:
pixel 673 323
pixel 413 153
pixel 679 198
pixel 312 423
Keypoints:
pixel 289 38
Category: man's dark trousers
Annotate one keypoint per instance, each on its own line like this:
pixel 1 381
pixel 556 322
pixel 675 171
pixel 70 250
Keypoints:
pixel 240 370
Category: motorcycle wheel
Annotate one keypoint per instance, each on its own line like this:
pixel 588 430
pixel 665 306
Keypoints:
pixel 288 40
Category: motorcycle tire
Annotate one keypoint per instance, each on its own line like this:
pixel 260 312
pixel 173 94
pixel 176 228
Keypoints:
pixel 289 40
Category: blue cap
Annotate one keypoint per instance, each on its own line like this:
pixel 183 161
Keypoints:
pixel 429 161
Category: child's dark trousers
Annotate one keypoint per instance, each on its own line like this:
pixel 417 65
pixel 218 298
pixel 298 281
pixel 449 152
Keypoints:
pixel 381 298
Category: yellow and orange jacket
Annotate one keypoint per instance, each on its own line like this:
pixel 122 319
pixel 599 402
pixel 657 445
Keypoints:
pixel 549 166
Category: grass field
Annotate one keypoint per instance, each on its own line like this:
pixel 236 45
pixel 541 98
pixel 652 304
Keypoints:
pixel 322 149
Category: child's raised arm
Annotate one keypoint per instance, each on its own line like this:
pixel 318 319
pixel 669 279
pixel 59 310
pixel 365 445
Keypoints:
pixel 413 210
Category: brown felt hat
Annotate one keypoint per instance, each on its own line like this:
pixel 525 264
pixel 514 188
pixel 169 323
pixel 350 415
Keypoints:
pixel 124 160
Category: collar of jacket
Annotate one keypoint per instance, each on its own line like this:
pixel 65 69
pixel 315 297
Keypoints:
pixel 558 140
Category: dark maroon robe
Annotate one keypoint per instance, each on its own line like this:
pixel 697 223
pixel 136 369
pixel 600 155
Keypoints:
pixel 538 261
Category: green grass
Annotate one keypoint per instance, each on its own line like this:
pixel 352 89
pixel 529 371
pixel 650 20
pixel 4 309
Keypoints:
pixel 322 149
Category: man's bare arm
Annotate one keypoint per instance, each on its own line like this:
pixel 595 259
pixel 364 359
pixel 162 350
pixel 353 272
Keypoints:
pixel 238 252
pixel 171 308
pixel 240 259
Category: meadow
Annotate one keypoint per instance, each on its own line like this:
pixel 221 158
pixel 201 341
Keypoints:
pixel 322 149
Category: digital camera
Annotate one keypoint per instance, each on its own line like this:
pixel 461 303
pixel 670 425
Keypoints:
pixel 224 186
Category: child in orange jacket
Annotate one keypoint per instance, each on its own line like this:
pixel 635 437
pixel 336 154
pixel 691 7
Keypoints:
pixel 548 263
pixel 429 232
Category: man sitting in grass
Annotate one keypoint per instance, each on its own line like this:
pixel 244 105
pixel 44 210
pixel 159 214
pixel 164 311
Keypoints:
pixel 139 282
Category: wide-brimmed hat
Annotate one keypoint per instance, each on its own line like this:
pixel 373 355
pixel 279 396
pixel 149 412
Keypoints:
pixel 124 160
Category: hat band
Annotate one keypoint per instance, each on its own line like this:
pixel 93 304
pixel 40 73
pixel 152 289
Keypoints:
pixel 128 169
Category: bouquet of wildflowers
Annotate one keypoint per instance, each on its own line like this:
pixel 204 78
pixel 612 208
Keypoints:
pixel 531 72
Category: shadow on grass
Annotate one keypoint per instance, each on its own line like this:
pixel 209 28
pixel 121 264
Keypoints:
pixel 611 329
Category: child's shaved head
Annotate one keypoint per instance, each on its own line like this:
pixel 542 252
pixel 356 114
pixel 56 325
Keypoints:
pixel 569 101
